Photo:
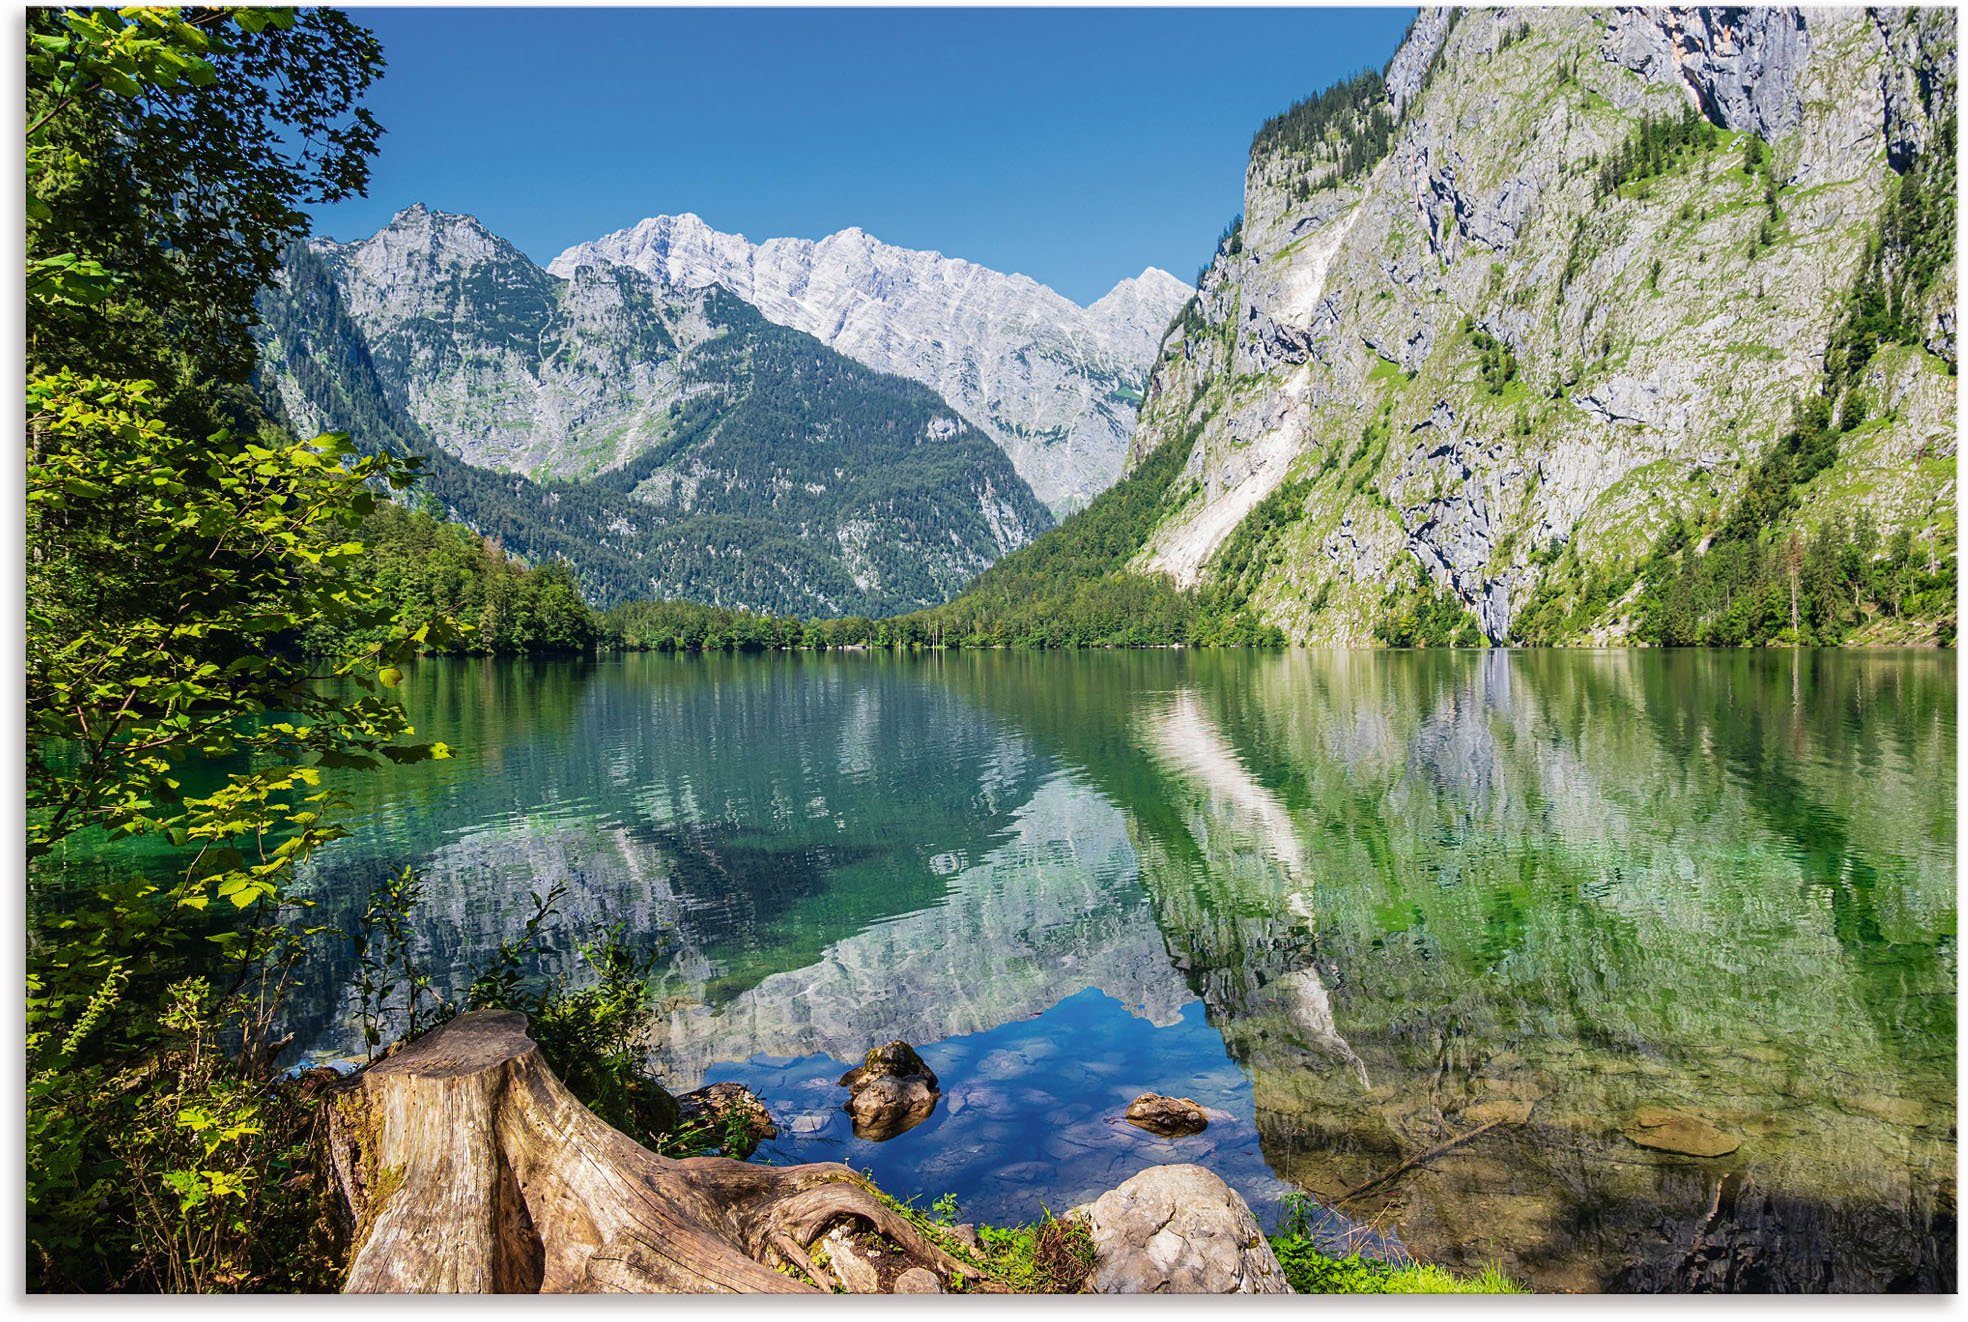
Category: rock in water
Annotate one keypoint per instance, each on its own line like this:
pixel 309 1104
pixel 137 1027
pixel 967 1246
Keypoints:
pixel 1171 1117
pixel 1179 1230
pixel 1684 1135
pixel 734 1110
pixel 892 1092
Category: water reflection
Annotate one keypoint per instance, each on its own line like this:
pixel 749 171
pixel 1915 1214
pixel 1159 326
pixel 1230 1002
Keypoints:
pixel 1367 901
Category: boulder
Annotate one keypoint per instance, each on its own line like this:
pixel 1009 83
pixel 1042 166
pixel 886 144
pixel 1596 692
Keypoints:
pixel 891 1091
pixel 1179 1230
pixel 734 1111
pixel 916 1280
pixel 1171 1117
pixel 1684 1135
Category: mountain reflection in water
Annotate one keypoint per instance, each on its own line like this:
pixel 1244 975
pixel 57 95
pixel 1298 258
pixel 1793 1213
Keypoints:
pixel 1361 902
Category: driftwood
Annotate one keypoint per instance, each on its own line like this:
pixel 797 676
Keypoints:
pixel 466 1166
pixel 1393 1173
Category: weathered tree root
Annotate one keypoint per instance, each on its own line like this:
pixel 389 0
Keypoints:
pixel 468 1167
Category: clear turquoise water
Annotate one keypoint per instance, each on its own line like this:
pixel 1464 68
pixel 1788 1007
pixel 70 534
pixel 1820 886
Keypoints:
pixel 1358 901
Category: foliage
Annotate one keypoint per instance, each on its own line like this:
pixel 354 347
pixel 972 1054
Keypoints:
pixel 168 581
pixel 1312 1272
pixel 1905 264
pixel 1417 613
pixel 1494 361
pixel 171 154
pixel 386 961
pixel 1753 587
pixel 589 1028
pixel 1660 145
pixel 1344 129
pixel 1053 1255
pixel 205 1155
pixel 1569 597
pixel 426 568
pixel 177 549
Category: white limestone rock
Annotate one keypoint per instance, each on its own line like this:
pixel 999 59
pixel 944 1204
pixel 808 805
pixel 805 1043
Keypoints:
pixel 1179 1230
pixel 1053 383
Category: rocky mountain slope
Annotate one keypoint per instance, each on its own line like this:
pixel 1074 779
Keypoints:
pixel 668 441
pixel 1566 295
pixel 1053 383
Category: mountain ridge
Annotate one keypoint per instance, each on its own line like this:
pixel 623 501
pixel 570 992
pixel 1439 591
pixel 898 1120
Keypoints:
pixel 1054 383
pixel 668 442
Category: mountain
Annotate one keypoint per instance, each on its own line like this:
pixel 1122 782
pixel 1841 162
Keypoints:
pixel 1572 326
pixel 668 442
pixel 1053 383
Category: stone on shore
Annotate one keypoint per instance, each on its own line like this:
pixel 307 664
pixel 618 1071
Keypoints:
pixel 916 1280
pixel 1179 1230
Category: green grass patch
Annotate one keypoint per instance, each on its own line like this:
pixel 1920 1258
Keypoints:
pixel 1312 1272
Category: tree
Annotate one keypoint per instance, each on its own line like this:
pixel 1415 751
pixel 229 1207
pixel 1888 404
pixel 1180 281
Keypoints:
pixel 177 550
pixel 170 155
pixel 1793 561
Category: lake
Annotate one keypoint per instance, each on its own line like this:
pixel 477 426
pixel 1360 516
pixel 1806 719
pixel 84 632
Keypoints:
pixel 1359 902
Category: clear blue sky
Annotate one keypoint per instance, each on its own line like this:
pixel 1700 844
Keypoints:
pixel 1075 146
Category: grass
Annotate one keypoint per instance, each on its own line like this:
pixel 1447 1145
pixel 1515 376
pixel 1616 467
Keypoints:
pixel 1053 1255
pixel 1312 1272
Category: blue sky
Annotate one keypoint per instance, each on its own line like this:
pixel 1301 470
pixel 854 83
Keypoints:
pixel 1075 146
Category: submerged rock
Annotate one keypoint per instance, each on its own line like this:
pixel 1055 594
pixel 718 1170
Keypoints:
pixel 1179 1230
pixel 1171 1117
pixel 891 1092
pixel 1684 1135
pixel 733 1109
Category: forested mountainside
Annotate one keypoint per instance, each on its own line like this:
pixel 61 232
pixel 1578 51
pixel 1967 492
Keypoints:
pixel 666 442
pixel 1053 383
pixel 1572 326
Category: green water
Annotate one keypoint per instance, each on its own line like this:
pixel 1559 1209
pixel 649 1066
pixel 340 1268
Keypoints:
pixel 1363 901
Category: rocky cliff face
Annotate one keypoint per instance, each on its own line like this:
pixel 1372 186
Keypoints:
pixel 508 367
pixel 1053 383
pixel 668 441
pixel 1466 354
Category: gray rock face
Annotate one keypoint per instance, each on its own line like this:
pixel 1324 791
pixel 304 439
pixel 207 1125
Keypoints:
pixel 1053 383
pixel 1179 1230
pixel 1465 358
pixel 1919 50
pixel 506 366
pixel 1743 66
pixel 1409 67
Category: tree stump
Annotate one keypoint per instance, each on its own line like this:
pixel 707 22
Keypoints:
pixel 467 1166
